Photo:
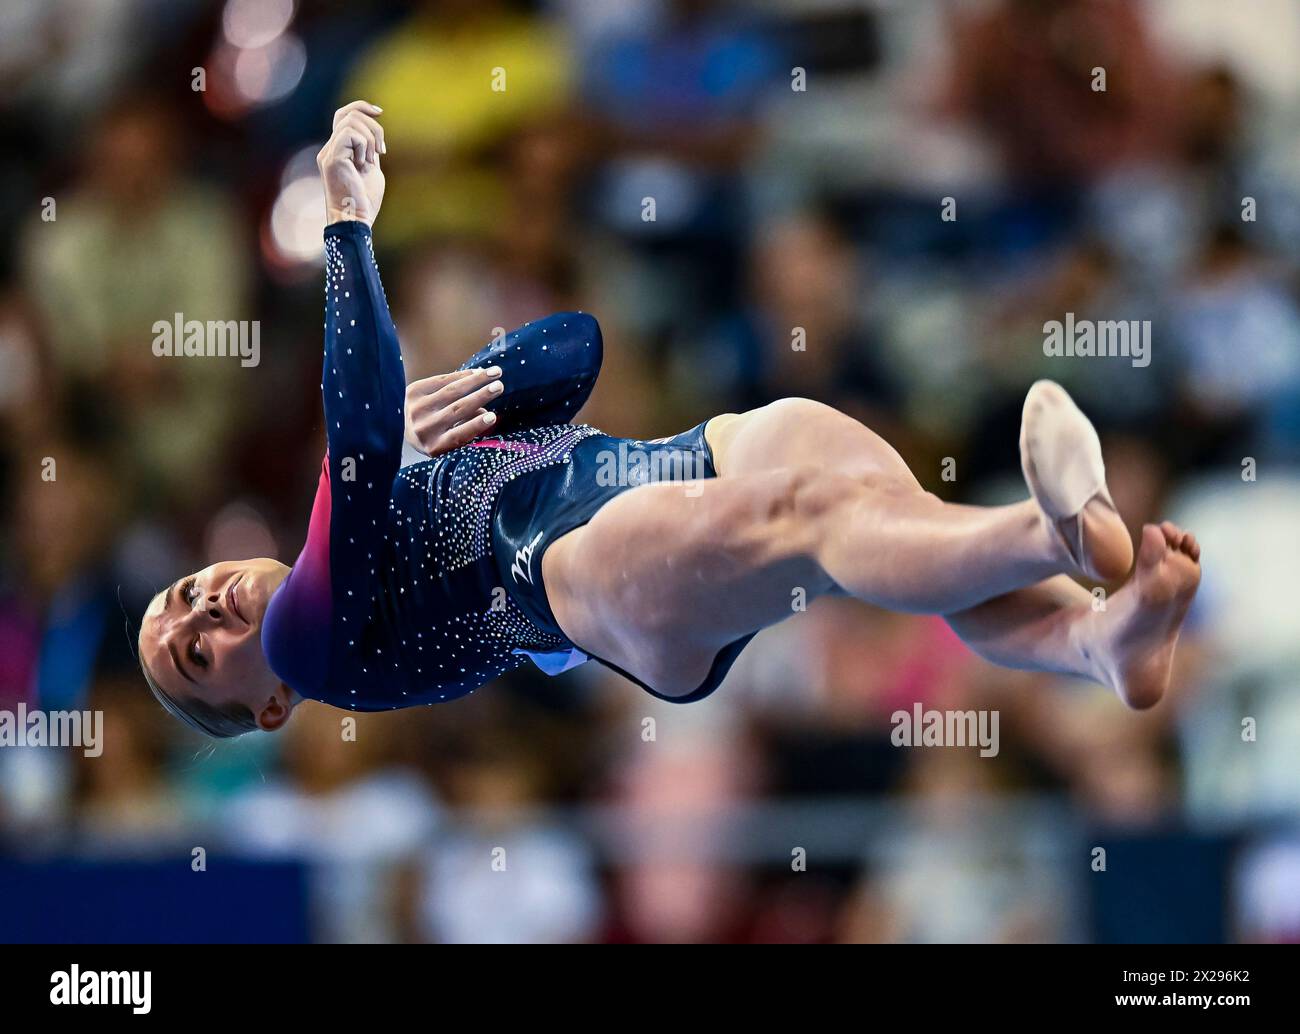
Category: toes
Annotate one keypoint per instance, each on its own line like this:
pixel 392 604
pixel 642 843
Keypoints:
pixel 1176 539
pixel 1151 550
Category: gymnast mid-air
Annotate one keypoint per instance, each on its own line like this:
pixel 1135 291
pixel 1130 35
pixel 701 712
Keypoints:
pixel 419 584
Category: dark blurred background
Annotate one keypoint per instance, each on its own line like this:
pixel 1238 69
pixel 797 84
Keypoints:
pixel 776 207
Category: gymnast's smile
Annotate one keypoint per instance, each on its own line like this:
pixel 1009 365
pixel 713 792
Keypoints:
pixel 201 649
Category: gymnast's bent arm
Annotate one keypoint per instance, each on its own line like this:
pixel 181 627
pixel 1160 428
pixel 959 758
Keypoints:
pixel 547 368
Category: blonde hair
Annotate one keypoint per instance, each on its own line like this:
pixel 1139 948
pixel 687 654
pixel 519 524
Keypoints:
pixel 221 723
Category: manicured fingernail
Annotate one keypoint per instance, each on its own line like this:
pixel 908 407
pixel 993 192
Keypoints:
pixel 493 371
pixel 489 418
pixel 496 387
pixel 383 148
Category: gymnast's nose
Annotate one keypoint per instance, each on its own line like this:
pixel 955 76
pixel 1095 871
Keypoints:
pixel 208 610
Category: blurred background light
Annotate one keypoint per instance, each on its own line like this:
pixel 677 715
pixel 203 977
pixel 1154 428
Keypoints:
pixel 252 24
pixel 266 74
pixel 297 215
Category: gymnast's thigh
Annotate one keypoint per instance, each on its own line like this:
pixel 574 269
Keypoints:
pixel 667 574
pixel 799 432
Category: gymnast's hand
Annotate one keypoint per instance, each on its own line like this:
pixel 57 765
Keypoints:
pixel 446 411
pixel 349 164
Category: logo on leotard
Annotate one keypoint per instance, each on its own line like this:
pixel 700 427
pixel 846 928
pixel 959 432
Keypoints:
pixel 524 557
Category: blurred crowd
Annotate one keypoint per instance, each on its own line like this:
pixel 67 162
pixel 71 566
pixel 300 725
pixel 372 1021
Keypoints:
pixel 873 204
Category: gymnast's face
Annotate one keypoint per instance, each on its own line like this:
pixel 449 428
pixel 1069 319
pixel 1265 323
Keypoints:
pixel 201 638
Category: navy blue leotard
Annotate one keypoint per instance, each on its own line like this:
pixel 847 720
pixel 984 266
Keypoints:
pixel 420 584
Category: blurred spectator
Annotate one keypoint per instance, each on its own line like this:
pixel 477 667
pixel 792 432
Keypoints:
pixel 946 876
pixel 124 802
pixel 1236 328
pixel 67 55
pixel 671 119
pixel 501 875
pixel 60 618
pixel 456 80
pixel 135 241
pixel 1025 71
pixel 804 333
pixel 676 882
pixel 1267 890
pixel 342 808
pixel 27 404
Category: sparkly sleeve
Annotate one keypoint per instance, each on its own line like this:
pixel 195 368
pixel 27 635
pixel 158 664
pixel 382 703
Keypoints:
pixel 364 388
pixel 363 385
pixel 548 368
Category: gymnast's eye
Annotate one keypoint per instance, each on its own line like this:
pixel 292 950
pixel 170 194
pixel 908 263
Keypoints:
pixel 197 657
pixel 189 591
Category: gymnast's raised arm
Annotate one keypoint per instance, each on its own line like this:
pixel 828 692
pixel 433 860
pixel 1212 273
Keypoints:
pixel 362 382
pixel 438 413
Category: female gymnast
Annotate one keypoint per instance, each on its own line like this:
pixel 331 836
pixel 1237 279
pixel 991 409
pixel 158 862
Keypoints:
pixel 526 536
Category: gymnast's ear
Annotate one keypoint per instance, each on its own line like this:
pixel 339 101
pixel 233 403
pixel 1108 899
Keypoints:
pixel 276 711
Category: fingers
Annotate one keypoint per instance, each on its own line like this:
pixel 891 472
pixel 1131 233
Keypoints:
pixel 464 388
pixel 433 439
pixel 359 107
pixel 464 433
pixel 448 406
pixel 365 118
pixel 358 130
pixel 445 389
pixel 448 410
pixel 360 140
pixel 348 144
pixel 367 124
pixel 476 400
pixel 428 385
pixel 354 144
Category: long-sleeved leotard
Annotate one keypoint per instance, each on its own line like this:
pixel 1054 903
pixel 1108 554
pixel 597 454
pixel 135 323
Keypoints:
pixel 396 598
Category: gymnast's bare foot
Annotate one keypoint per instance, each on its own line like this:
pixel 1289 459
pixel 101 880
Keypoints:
pixel 1138 631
